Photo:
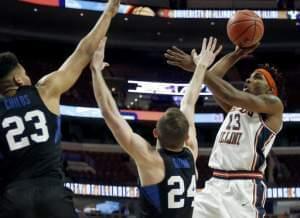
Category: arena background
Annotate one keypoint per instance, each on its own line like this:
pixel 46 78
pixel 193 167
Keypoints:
pixel 43 33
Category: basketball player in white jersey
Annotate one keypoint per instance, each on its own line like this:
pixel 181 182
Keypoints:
pixel 238 157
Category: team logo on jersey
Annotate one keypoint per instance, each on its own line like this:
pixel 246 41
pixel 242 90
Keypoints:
pixel 232 138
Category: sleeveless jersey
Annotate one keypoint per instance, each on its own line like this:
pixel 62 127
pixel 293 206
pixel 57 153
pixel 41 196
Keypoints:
pixel 174 196
pixel 29 138
pixel 242 143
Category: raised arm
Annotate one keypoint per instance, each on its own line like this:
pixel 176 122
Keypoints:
pixel 266 104
pixel 223 66
pixel 187 106
pixel 179 58
pixel 138 148
pixel 220 69
pixel 53 85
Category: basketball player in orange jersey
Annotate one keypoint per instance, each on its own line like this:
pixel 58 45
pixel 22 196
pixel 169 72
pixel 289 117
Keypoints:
pixel 167 175
pixel 31 177
pixel 238 157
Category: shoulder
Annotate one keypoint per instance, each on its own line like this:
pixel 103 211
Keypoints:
pixel 150 158
pixel 272 99
pixel 50 102
pixel 190 152
pixel 274 102
pixel 273 121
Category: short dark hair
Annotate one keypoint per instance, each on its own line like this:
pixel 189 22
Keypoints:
pixel 279 79
pixel 172 129
pixel 8 62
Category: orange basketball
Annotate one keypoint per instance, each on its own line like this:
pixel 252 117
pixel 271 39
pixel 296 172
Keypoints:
pixel 245 28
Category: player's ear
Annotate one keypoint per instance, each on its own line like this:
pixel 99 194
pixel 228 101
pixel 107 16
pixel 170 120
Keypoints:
pixel 18 80
pixel 155 133
pixel 270 91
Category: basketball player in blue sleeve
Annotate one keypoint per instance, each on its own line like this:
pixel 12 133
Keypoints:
pixel 167 175
pixel 31 177
pixel 238 157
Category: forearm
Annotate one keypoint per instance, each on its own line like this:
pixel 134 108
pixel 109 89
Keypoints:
pixel 133 144
pixel 226 107
pixel 220 88
pixel 103 96
pixel 224 64
pixel 91 41
pixel 193 90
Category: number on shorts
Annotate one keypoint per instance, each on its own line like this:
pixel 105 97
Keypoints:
pixel 191 191
pixel 41 124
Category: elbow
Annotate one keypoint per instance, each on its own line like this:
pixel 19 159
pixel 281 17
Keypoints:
pixel 106 113
pixel 187 103
pixel 111 119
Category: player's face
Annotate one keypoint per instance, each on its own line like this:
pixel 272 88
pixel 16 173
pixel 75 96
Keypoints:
pixel 256 84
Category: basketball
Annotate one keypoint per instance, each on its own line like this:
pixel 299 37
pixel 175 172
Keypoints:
pixel 245 28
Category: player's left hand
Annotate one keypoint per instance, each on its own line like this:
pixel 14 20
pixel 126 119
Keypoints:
pixel 177 57
pixel 97 64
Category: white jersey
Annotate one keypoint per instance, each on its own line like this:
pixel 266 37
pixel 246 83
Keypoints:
pixel 242 143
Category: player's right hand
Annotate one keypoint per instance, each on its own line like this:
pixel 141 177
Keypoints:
pixel 113 6
pixel 208 52
pixel 242 52
pixel 177 57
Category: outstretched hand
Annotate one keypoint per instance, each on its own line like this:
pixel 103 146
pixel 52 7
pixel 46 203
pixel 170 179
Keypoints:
pixel 177 57
pixel 208 52
pixel 97 64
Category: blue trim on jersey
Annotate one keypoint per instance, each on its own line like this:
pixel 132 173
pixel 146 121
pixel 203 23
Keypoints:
pixel 58 130
pixel 260 190
pixel 62 3
pixel 264 135
pixel 180 163
pixel 151 193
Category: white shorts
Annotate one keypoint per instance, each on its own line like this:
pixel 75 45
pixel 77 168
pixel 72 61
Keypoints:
pixel 222 198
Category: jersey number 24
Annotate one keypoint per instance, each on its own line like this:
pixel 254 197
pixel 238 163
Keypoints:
pixel 178 192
